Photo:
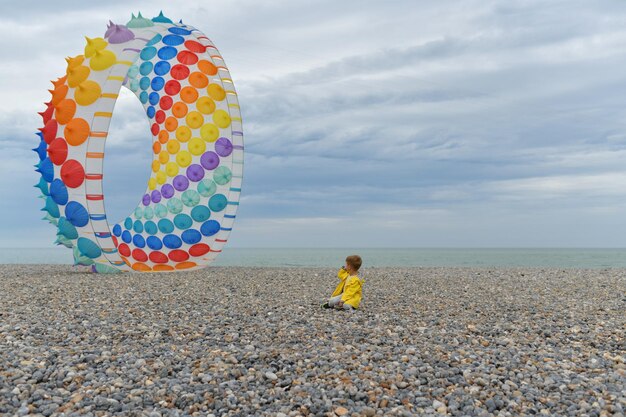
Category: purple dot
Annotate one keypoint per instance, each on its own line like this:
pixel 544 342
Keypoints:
pixel 223 147
pixel 195 172
pixel 210 160
pixel 181 182
pixel 156 196
pixel 146 199
pixel 167 191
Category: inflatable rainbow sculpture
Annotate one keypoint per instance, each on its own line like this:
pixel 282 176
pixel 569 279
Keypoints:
pixel 188 210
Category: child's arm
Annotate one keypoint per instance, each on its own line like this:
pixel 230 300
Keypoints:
pixel 342 274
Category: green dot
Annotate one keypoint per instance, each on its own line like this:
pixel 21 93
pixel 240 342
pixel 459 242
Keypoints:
pixel 207 188
pixel 148 213
pixel 190 198
pixel 138 213
pixel 160 210
pixel 175 206
pixel 222 175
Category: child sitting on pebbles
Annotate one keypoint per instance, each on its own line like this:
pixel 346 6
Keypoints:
pixel 347 295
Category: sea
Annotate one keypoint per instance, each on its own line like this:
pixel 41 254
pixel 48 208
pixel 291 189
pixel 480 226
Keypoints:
pixel 595 258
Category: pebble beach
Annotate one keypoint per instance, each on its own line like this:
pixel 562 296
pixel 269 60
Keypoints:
pixel 235 341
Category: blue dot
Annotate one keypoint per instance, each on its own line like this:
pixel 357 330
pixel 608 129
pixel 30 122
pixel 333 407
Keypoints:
pixel 154 40
pixel 157 83
pixel 138 226
pixel 166 226
pixel 172 241
pixel 117 230
pixel 179 31
pixel 139 241
pixel 145 68
pixel 150 227
pixel 154 243
pixel 143 97
pixel 128 223
pixel 209 228
pixel 200 213
pixel 126 237
pixel 153 98
pixel 173 40
pixel 162 68
pixel 183 221
pixel 144 83
pixel 150 111
pixel 167 52
pixel 191 236
pixel 218 202
pixel 148 53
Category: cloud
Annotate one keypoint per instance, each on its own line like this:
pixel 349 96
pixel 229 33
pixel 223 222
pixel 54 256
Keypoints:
pixel 474 123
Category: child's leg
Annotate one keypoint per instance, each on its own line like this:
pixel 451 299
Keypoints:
pixel 333 301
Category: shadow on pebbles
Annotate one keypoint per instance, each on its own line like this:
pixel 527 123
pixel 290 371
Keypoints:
pixel 254 341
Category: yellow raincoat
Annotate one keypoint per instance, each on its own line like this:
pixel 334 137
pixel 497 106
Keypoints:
pixel 350 286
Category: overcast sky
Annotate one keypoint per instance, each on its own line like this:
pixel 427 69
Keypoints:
pixel 367 124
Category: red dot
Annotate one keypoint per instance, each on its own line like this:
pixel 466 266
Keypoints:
pixel 187 58
pixel 155 129
pixel 194 46
pixel 123 249
pixel 166 102
pixel 114 238
pixel 158 257
pixel 140 255
pixel 72 173
pixel 179 72
pixel 58 151
pixel 172 87
pixel 160 116
pixel 50 130
pixel 178 255
pixel 199 249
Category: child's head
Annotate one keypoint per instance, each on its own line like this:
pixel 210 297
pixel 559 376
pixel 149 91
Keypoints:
pixel 354 262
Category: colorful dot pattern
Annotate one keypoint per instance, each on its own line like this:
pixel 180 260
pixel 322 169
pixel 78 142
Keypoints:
pixel 186 214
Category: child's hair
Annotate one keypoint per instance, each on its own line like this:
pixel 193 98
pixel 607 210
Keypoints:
pixel 354 261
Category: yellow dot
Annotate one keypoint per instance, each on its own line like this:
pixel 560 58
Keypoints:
pixel 87 92
pixel 156 165
pixel 152 183
pixel 164 157
pixel 183 133
pixel 194 119
pixel 171 169
pixel 161 177
pixel 76 75
pixel 183 158
pixel 173 146
pixel 209 132
pixel 196 146
pixel 93 45
pixel 221 118
pixel 205 105
pixel 216 92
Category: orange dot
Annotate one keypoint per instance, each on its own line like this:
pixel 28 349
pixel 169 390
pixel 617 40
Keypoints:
pixel 65 110
pixel 58 94
pixel 207 67
pixel 179 109
pixel 156 147
pixel 171 123
pixel 138 266
pixel 186 265
pixel 189 94
pixel 160 268
pixel 156 166
pixel 164 136
pixel 76 131
pixel 198 80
